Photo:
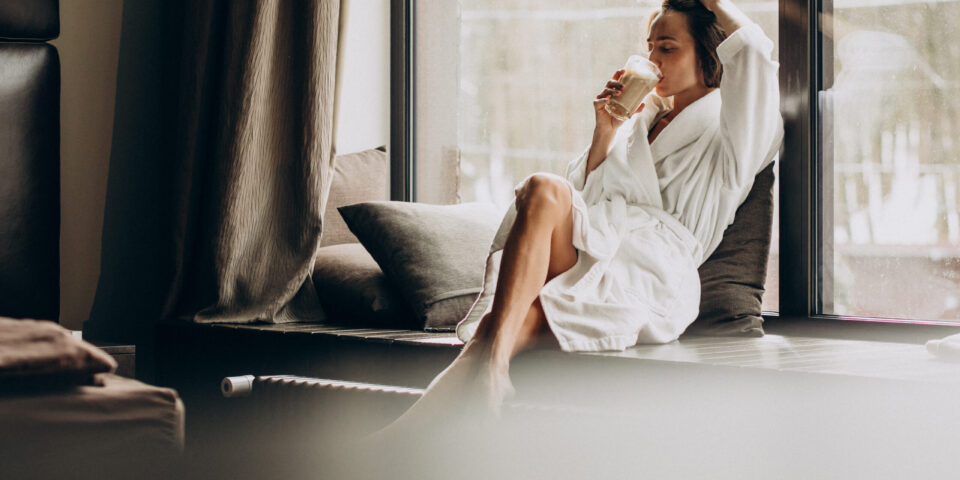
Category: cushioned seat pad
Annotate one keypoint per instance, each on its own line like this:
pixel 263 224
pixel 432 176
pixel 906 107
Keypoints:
pixel 118 422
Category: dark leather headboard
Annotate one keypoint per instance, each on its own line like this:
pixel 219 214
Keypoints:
pixel 29 160
pixel 29 19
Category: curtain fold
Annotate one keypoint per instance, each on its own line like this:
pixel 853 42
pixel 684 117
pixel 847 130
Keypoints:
pixel 222 162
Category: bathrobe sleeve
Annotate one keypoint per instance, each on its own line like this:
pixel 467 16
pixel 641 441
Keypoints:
pixel 576 173
pixel 751 127
pixel 577 169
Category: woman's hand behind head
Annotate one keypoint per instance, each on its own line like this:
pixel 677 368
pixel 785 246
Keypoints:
pixel 710 4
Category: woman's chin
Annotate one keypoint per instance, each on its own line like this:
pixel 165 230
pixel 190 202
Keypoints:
pixel 663 91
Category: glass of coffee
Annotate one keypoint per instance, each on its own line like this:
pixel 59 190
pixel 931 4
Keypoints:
pixel 639 77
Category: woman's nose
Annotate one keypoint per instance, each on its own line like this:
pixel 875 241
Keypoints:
pixel 655 58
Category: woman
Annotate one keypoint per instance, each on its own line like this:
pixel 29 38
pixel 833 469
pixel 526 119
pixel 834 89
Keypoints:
pixel 607 256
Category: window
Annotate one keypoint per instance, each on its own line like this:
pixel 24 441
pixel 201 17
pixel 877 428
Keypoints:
pixel 517 98
pixel 891 159
pixel 868 181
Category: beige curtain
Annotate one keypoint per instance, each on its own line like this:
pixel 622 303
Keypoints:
pixel 258 107
pixel 220 165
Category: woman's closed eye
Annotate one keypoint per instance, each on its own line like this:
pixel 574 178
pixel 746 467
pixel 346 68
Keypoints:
pixel 662 49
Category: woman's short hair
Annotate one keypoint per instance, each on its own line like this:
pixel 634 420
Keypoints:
pixel 706 32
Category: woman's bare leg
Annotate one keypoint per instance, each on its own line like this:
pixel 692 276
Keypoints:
pixel 537 249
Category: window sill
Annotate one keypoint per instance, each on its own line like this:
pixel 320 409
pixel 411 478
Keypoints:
pixel 843 329
pixel 802 354
pixel 809 347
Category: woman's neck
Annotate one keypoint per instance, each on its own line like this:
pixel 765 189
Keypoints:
pixel 683 99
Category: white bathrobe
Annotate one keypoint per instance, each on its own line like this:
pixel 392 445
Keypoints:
pixel 649 215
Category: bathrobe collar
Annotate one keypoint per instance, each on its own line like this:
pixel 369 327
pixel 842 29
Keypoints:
pixel 686 128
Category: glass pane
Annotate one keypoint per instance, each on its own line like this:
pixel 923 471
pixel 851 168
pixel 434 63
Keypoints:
pixel 528 72
pixel 891 119
pixel 771 292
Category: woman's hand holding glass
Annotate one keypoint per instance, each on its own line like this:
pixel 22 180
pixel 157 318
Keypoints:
pixel 606 124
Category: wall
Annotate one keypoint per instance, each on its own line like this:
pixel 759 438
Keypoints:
pixel 89 46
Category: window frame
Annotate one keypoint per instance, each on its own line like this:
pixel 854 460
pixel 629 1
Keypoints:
pixel 402 102
pixel 800 168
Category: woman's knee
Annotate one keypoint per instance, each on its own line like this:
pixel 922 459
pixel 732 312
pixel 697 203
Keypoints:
pixel 544 191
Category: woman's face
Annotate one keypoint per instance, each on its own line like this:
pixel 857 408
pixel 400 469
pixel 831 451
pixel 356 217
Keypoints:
pixel 673 49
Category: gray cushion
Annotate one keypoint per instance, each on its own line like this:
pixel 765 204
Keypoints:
pixel 354 291
pixel 432 254
pixel 357 177
pixel 732 278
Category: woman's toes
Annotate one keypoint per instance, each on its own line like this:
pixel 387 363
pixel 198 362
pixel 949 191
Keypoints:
pixel 497 388
pixel 509 391
pixel 505 387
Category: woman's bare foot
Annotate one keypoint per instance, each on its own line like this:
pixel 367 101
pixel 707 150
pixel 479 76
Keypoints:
pixel 441 401
pixel 495 388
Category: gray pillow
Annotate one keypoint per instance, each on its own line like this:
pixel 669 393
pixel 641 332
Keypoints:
pixel 433 255
pixel 732 279
pixel 357 177
pixel 353 291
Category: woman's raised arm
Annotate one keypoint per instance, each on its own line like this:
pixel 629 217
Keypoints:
pixel 751 126
pixel 579 169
